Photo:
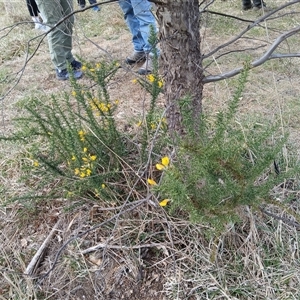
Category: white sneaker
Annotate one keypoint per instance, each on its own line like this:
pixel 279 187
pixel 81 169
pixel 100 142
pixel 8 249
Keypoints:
pixel 41 27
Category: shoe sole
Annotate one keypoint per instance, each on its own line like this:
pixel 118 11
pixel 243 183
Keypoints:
pixel 76 75
pixel 144 72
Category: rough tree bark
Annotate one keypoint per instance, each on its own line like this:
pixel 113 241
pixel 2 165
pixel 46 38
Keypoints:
pixel 179 36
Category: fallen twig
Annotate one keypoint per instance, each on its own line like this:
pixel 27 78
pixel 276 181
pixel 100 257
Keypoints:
pixel 103 245
pixel 36 260
pixel 283 219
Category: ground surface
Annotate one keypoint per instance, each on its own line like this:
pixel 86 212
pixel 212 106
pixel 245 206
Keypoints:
pixel 153 272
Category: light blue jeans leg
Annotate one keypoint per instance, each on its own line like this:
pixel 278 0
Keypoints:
pixel 139 17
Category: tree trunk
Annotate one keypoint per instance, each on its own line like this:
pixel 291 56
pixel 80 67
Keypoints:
pixel 179 36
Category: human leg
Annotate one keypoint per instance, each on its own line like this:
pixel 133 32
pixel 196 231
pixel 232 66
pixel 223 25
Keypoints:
pixel 259 3
pixel 247 4
pixel 66 39
pixel 142 12
pixel 32 8
pixel 34 13
pixel 81 3
pixel 133 25
pixel 96 7
pixel 60 37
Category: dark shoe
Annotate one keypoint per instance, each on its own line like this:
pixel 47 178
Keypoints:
pixel 147 67
pixel 64 74
pixel 247 7
pixel 76 65
pixel 135 57
pixel 263 8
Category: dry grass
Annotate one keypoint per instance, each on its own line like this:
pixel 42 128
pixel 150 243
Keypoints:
pixel 148 254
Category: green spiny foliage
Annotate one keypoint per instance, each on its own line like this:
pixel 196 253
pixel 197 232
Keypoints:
pixel 82 145
pixel 78 143
pixel 153 84
pixel 226 167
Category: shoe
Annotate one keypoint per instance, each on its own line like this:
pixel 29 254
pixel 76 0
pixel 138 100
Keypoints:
pixel 96 8
pixel 263 8
pixel 64 74
pixel 76 65
pixel 137 56
pixel 41 27
pixel 247 7
pixel 147 67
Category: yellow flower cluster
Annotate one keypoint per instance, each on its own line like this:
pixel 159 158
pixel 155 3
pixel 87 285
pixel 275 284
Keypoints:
pixel 153 79
pixel 86 168
pixel 82 134
pixel 75 93
pixel 165 161
pixel 98 105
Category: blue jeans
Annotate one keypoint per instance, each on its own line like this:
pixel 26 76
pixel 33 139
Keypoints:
pixel 138 16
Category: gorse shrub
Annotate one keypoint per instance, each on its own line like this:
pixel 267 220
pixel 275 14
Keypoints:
pixel 223 166
pixel 212 172
pixel 82 145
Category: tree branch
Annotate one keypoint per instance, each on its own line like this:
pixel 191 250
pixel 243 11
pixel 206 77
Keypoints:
pixel 255 23
pixel 267 56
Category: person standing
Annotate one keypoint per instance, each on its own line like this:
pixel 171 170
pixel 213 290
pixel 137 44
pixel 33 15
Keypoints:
pixel 82 3
pixel 139 19
pixel 34 13
pixel 60 36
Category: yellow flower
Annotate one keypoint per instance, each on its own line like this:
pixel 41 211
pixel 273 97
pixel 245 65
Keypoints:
pixel 151 77
pixel 134 80
pixel 69 194
pixel 103 107
pixel 151 181
pixel 83 68
pixel 117 101
pixel 85 149
pixel 73 157
pixel 76 171
pixel 165 161
pixel 82 174
pixel 153 126
pixel 98 65
pixel 73 93
pixel 84 159
pixel 81 134
pixel 103 185
pixel 139 123
pixel 117 64
pixel 159 167
pixel 164 202
pixel 93 157
pixel 160 83
pixel 36 163
pixel 92 70
pixel 88 172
